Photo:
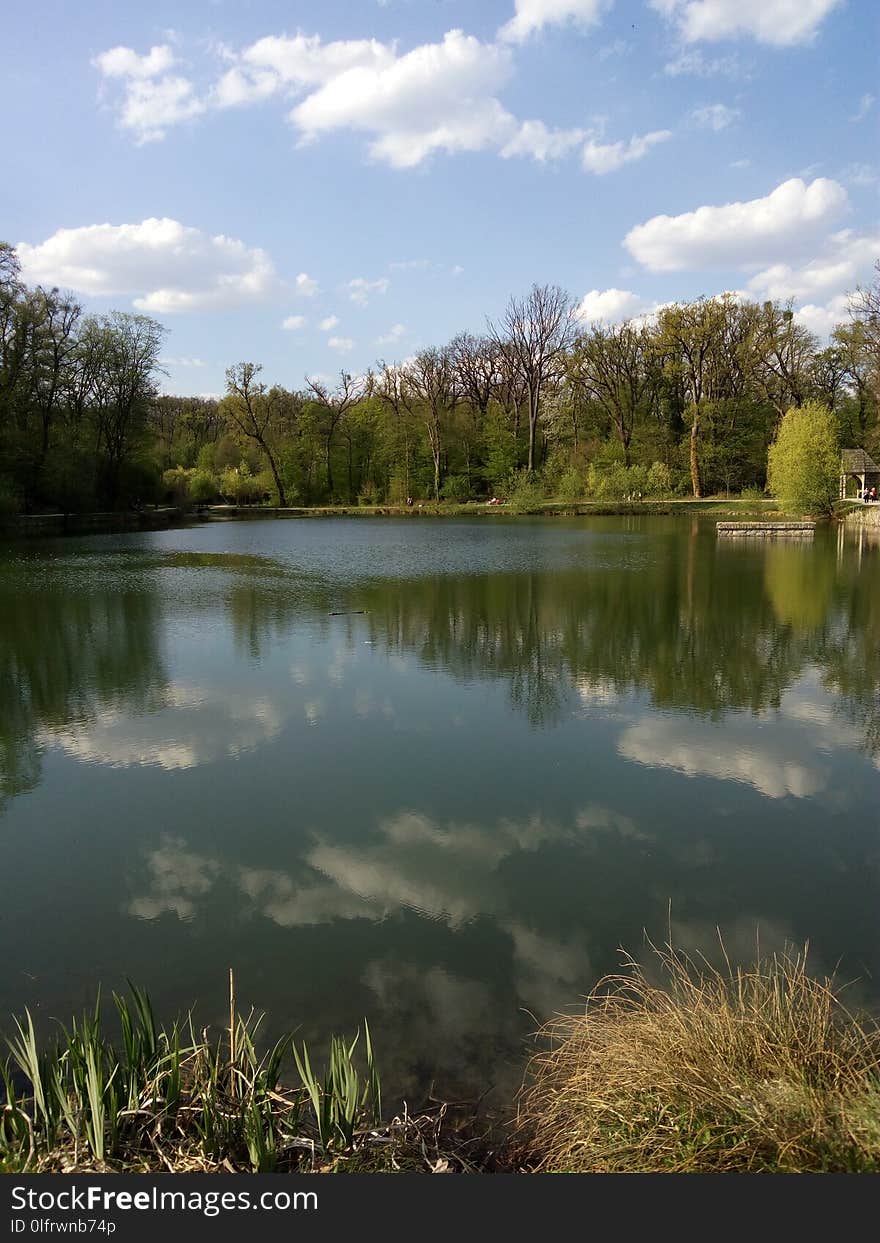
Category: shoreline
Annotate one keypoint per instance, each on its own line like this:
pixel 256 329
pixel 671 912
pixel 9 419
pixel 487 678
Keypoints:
pixel 671 1066
pixel 171 517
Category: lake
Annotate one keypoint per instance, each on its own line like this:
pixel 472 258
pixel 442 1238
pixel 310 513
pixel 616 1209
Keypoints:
pixel 435 773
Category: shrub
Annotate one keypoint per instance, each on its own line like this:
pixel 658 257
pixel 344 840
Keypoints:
pixel 456 488
pixel 524 491
pixel 659 480
pixel 572 485
pixel 803 464
pixel 202 487
pixel 753 1070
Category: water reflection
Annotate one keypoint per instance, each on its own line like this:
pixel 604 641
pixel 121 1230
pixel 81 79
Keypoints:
pixel 448 810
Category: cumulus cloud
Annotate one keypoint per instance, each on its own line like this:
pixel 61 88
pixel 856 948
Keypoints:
pixel 164 265
pixel 153 98
pixel 124 62
pixel 610 306
pixel 823 319
pixel 360 290
pixel 542 143
pixel 776 22
pixel 691 61
pixel 329 323
pixel 846 259
pixel 279 63
pixel 531 16
pixel 607 157
pixel 342 345
pixel 293 322
pixel 738 234
pixel 394 334
pixel 436 97
pixel 306 285
pixel 714 116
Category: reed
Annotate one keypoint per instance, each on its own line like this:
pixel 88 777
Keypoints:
pixel 176 1099
pixel 760 1069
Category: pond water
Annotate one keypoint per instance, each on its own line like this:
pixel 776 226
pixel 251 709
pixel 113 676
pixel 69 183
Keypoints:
pixel 432 772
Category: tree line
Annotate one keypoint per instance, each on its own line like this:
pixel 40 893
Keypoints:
pixel 684 402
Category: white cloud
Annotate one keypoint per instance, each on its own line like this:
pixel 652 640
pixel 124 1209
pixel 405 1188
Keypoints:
pixel 306 285
pixel 279 63
pixel 619 47
pixel 124 62
pixel 396 333
pixel 293 322
pixel 410 265
pixel 182 362
pixel 860 175
pixel 438 97
pixel 777 22
pixel 343 345
pixel 601 158
pixel 329 323
pixel 153 98
pixel 360 290
pixel 866 103
pixel 847 258
pixel 714 116
pixel 739 234
pixel 533 15
pixel 542 143
pixel 692 61
pixel 164 265
pixel 610 306
pixel 822 320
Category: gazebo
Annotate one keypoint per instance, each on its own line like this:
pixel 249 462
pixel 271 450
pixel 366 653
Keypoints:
pixel 857 464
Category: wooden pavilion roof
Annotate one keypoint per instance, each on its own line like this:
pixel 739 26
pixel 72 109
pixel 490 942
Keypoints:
pixel 857 462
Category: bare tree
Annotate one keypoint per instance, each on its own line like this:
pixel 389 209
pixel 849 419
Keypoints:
pixel 335 403
pixel 535 332
pixel 253 409
pixel 431 382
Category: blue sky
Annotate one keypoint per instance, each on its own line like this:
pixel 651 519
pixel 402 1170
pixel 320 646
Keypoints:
pixel 315 186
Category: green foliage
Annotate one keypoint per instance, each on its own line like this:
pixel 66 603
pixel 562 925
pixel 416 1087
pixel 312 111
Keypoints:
pixel 572 485
pixel 154 1097
pixel 202 487
pixel 617 482
pixel 803 463
pixel 456 488
pixel 524 491
pixel 658 481
pixel 82 425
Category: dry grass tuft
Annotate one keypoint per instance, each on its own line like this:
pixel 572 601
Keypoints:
pixel 738 1070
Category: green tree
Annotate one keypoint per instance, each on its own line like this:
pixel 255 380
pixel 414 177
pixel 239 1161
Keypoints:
pixel 803 465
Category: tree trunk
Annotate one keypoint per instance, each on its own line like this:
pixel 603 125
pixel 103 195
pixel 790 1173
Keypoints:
pixel 695 462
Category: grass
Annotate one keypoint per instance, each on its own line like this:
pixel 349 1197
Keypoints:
pixel 677 1067
pixel 526 504
pixel 171 1099
pixel 758 1070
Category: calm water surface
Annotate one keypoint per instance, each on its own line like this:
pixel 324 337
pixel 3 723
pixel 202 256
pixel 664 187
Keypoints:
pixel 435 773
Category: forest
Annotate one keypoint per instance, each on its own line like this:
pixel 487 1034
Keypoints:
pixel 684 402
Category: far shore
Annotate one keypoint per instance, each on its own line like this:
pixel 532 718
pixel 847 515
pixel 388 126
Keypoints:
pixel 161 517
